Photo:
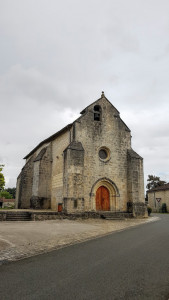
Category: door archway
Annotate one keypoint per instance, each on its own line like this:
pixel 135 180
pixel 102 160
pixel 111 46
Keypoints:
pixel 107 189
pixel 102 198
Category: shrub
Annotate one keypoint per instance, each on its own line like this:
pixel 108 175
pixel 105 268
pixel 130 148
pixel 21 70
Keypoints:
pixel 149 209
pixel 164 208
pixel 6 195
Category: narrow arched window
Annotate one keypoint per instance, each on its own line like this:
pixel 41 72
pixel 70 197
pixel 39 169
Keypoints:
pixel 97 113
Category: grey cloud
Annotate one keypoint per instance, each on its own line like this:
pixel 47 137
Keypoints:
pixel 57 57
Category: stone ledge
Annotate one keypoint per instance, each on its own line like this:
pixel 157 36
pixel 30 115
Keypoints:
pixel 37 215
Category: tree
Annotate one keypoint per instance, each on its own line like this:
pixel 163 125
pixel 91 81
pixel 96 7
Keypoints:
pixel 12 191
pixel 154 181
pixel 2 178
pixel 5 194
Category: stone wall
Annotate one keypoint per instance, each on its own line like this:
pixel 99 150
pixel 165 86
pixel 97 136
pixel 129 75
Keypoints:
pixel 58 146
pixel 156 204
pixel 139 210
pixel 34 180
pixel 109 132
pixel 135 177
pixel 68 170
pixel 45 170
pixel 25 183
pixel 18 190
pixel 73 192
pixel 35 187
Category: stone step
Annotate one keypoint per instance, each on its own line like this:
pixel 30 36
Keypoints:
pixel 18 219
pixel 20 216
pixel 114 218
pixel 15 214
pixel 115 215
pixel 22 212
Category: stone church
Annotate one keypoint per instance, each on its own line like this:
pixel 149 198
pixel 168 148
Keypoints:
pixel 88 165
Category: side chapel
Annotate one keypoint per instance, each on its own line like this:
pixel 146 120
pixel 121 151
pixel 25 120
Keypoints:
pixel 88 165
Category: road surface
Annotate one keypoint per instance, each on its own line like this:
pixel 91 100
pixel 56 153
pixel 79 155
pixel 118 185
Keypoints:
pixel 131 264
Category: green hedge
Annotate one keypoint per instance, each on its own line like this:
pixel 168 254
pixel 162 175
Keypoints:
pixel 164 208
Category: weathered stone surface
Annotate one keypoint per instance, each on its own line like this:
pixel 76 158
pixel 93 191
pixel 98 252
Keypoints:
pixel 39 202
pixel 36 202
pixel 24 184
pixel 139 210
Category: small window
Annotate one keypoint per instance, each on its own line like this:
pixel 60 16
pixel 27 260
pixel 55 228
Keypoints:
pixel 75 203
pixel 104 154
pixel 97 113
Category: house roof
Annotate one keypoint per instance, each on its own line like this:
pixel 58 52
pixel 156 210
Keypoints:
pixel 6 200
pixel 41 154
pixel 49 139
pixel 160 188
pixel 133 154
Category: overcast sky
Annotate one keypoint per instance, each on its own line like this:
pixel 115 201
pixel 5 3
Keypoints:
pixel 57 56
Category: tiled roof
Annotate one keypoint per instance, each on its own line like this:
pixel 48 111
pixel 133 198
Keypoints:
pixel 6 200
pixel 160 188
pixel 51 138
pixel 133 154
pixel 40 155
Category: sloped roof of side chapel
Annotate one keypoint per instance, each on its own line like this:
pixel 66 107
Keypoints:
pixel 67 127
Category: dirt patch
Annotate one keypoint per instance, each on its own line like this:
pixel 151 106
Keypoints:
pixel 4 245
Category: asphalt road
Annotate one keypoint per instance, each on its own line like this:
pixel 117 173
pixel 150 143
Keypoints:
pixel 131 264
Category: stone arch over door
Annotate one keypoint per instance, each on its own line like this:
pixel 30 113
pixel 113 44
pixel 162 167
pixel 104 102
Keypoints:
pixel 112 190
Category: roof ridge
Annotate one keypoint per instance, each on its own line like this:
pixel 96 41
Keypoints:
pixel 160 187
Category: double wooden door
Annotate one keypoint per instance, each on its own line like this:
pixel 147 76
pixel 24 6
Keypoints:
pixel 102 199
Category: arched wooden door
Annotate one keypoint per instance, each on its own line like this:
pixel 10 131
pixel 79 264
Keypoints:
pixel 102 198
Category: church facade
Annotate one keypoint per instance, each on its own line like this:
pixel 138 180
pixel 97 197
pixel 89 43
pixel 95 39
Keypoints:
pixel 89 165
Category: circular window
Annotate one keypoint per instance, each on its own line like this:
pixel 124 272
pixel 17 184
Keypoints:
pixel 104 154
